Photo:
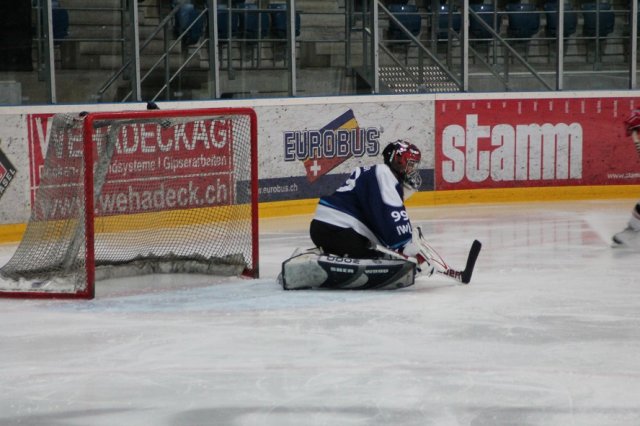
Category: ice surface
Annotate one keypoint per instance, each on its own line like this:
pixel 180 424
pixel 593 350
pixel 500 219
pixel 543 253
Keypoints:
pixel 548 333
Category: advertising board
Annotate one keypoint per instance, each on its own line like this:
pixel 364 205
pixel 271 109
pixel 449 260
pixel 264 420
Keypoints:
pixel 154 167
pixel 309 150
pixel 508 143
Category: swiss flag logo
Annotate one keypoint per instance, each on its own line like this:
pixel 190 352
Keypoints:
pixel 318 167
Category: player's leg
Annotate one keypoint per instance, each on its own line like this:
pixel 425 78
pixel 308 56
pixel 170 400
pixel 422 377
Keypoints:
pixel 344 242
pixel 630 236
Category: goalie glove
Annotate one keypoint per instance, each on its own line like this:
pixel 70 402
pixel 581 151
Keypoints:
pixel 415 249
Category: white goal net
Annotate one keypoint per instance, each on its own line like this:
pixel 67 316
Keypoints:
pixel 140 192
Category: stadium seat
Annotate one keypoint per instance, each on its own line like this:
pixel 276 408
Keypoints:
pixel 253 24
pixel 254 27
pixel 408 16
pixel 599 19
pixel 479 36
pixel 551 29
pixel 570 19
pixel 523 24
pixel 226 28
pixel 188 23
pixel 279 20
pixel 487 13
pixel 524 21
pixel 638 19
pixel 443 21
pixel 60 20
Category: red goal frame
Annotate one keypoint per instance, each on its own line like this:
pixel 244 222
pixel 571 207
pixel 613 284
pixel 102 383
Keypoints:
pixel 251 270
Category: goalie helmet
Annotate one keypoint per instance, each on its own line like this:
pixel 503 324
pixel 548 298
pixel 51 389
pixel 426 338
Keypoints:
pixel 403 158
pixel 632 122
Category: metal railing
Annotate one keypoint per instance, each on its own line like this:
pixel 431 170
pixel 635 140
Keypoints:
pixel 160 71
pixel 505 63
pixel 209 43
pixel 163 27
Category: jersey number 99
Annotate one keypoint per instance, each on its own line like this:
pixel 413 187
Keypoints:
pixel 399 216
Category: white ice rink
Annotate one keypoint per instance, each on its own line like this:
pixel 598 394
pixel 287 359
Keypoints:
pixel 548 333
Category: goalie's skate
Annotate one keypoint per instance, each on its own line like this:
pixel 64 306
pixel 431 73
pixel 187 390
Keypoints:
pixel 628 237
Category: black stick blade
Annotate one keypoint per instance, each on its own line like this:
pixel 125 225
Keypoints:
pixel 471 262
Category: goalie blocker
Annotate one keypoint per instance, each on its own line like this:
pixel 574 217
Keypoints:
pixel 310 270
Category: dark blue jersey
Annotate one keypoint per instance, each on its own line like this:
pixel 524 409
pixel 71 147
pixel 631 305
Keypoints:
pixel 370 202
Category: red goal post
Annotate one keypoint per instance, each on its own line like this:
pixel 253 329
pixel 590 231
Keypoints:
pixel 140 192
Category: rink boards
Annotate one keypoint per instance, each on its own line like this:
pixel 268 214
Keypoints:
pixel 476 148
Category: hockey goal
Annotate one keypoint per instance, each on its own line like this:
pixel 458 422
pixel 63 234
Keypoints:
pixel 140 192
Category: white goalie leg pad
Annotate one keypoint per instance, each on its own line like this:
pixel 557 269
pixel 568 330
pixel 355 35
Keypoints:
pixel 310 270
pixel 303 264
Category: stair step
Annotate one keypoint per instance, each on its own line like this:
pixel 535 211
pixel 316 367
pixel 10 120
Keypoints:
pixel 115 62
pixel 84 4
pixel 94 17
pixel 316 6
pixel 155 47
pixel 398 81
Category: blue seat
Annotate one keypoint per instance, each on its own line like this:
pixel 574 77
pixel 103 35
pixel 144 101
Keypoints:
pixel 188 23
pixel 279 20
pixel 628 29
pixel 524 20
pixel 223 23
pixel 409 17
pixel 570 19
pixel 599 19
pixel 253 24
pixel 487 13
pixel 443 21
pixel 60 20
pixel 598 23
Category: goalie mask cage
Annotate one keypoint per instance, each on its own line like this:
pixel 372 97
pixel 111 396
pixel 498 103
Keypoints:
pixel 140 192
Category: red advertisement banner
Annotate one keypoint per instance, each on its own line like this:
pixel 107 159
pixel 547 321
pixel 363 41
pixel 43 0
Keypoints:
pixel 153 167
pixel 509 143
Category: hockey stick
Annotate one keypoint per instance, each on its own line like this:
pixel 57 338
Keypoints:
pixel 441 266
